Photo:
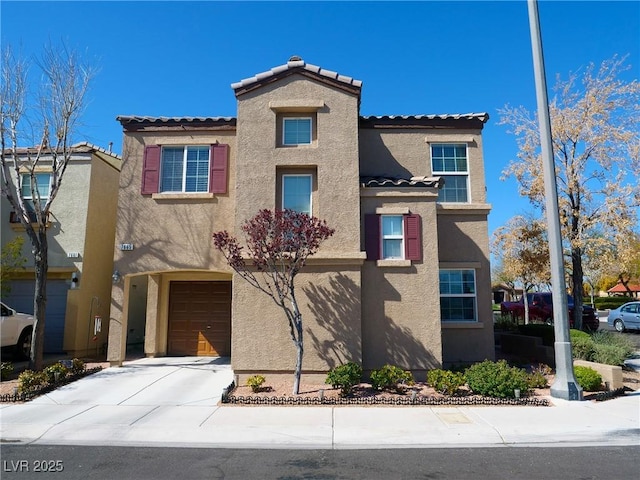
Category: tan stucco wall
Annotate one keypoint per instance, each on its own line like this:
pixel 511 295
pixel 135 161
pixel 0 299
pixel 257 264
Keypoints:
pixel 66 232
pixel 82 220
pixel 330 306
pixel 173 232
pixel 463 243
pixel 91 298
pixel 400 305
pixel 328 295
pixel 365 312
pixel 407 152
pixel 334 153
pixel 168 233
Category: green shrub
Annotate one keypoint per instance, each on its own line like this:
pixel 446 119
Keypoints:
pixel 30 380
pixel 51 371
pixel 609 354
pixel 391 377
pixel 610 338
pixel 505 323
pixel 609 303
pixel 538 376
pixel 6 369
pixel 256 382
pixel 582 348
pixel 537 379
pixel 445 381
pixel 588 378
pixel 345 377
pixel 544 369
pixel 601 347
pixel 496 379
pixel 77 366
pixel 545 332
pixel 575 334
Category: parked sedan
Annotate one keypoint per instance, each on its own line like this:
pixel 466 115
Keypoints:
pixel 16 331
pixel 625 317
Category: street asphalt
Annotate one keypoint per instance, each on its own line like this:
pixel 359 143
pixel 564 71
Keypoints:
pixel 174 402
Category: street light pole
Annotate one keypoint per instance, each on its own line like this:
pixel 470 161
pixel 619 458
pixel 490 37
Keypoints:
pixel 564 385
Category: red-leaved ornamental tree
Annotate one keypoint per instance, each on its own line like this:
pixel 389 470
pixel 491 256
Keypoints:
pixel 277 247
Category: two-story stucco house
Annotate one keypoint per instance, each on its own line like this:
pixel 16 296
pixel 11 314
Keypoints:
pixel 404 280
pixel 80 235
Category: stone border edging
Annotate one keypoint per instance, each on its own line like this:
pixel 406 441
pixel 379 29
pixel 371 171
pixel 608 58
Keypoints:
pixel 419 400
pixel 30 395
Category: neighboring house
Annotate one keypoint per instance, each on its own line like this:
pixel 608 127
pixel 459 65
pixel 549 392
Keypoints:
pixel 505 293
pixel 405 279
pixel 618 289
pixel 81 237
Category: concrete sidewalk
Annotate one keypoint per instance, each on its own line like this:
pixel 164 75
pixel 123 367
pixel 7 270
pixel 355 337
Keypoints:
pixel 174 402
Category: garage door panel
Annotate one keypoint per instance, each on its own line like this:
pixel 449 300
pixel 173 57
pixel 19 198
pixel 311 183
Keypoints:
pixel 200 318
pixel 21 299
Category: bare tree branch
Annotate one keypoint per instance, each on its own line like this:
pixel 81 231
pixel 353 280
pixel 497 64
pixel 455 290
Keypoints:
pixel 63 84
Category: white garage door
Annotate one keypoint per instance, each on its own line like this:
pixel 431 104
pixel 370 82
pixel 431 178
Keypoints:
pixel 21 299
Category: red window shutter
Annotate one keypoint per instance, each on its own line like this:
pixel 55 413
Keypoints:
pixel 412 237
pixel 151 169
pixel 218 167
pixel 372 236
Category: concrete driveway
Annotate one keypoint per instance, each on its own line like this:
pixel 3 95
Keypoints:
pixel 149 382
pixel 173 402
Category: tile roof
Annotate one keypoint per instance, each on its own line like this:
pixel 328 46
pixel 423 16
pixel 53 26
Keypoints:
pixel 620 288
pixel 431 182
pixel 387 119
pixel 80 147
pixel 295 64
pixel 447 116
pixel 127 119
pixel 90 147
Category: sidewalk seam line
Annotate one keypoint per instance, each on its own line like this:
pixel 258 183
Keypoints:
pixel 147 386
pixel 138 419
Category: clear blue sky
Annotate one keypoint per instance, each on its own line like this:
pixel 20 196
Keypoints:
pixel 177 58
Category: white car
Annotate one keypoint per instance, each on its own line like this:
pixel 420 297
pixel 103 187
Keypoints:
pixel 16 330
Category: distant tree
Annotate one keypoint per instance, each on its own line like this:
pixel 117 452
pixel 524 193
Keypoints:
pixel 621 262
pixel 12 261
pixel 523 249
pixel 501 276
pixel 609 261
pixel 596 266
pixel 50 122
pixel 278 245
pixel 595 120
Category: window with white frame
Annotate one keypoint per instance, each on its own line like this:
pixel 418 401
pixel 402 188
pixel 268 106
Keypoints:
pixel 185 169
pixel 43 187
pixel 296 192
pixel 392 237
pixel 458 295
pixel 296 131
pixel 449 160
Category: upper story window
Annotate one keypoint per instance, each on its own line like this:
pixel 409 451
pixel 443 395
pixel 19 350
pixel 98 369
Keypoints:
pixel 449 160
pixel 43 187
pixel 296 192
pixel 392 237
pixel 458 295
pixel 296 131
pixel 185 169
